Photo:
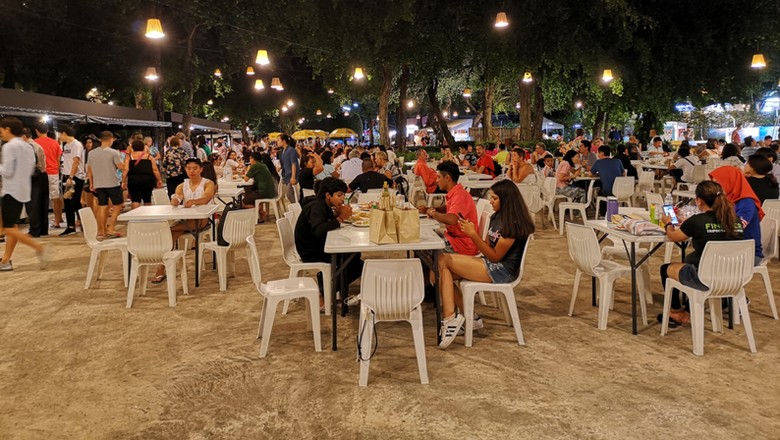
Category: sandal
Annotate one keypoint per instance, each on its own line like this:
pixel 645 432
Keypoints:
pixel 681 318
pixel 115 234
pixel 158 279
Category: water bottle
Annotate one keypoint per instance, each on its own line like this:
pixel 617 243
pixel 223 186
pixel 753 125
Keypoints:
pixel 652 214
pixel 668 199
pixel 612 207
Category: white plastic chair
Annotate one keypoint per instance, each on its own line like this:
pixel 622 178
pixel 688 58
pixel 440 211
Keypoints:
pixel 277 291
pixel 368 197
pixel 274 202
pixel 726 267
pixel 149 244
pixel 286 236
pixel 622 189
pixel 507 291
pixel 698 176
pixel 576 206
pixel 769 246
pixel 97 256
pixel 295 211
pixel 585 252
pixel 391 290
pixel 307 192
pixel 549 198
pixel 771 208
pixel 532 197
pixel 160 197
pixel 483 205
pixel 239 225
pixel 432 197
pixel 617 250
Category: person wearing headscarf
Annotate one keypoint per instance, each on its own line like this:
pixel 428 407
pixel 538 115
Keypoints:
pixel 746 204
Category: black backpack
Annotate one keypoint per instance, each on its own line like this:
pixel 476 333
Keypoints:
pixel 497 167
pixel 230 206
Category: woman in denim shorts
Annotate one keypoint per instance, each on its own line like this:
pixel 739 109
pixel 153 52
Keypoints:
pixel 510 226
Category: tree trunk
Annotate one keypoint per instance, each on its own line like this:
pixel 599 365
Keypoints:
pixel 526 125
pixel 439 124
pixel 487 110
pixel 605 130
pixel 192 85
pixel 598 123
pixel 400 113
pixel 384 103
pixel 538 110
pixel 477 113
pixel 371 123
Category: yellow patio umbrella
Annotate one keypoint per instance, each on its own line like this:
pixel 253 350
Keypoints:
pixel 341 133
pixel 322 134
pixel 272 136
pixel 305 134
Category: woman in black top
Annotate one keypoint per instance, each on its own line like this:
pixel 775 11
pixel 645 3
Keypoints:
pixel 141 175
pixel 626 161
pixel 758 171
pixel 717 221
pixel 510 226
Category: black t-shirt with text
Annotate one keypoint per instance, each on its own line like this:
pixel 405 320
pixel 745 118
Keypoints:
pixel 702 228
pixel 369 180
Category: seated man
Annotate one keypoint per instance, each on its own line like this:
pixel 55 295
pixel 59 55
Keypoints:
pixel 608 169
pixel 458 205
pixel 319 215
pixel 196 190
pixel 351 168
pixel 485 164
pixel 425 172
pixel 370 179
pixel 656 148
pixel 311 165
pixel 264 187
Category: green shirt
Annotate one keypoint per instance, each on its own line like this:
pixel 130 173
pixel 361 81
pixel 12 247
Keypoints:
pixel 264 182
pixel 501 157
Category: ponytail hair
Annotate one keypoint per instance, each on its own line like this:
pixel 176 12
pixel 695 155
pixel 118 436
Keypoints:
pixel 712 194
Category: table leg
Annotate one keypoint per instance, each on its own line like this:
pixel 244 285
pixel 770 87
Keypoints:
pixel 593 290
pixel 731 312
pixel 633 287
pixel 335 284
pixel 436 297
pixel 197 256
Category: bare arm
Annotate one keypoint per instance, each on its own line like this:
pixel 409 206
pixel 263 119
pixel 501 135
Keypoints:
pixel 495 254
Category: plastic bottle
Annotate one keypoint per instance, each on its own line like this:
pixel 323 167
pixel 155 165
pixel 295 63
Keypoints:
pixel 668 199
pixel 652 214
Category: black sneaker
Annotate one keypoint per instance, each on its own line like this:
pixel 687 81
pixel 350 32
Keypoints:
pixel 67 231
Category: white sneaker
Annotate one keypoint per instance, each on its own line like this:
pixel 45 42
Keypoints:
pixel 478 325
pixel 352 300
pixel 450 328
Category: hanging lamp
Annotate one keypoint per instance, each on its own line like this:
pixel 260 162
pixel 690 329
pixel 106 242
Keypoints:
pixel 259 84
pixel 501 21
pixel 758 61
pixel 250 70
pixel 262 57
pixel 151 74
pixel 154 29
pixel 607 75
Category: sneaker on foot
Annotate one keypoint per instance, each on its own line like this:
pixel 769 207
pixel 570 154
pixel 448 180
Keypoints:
pixel 67 231
pixel 478 324
pixel 352 300
pixel 6 267
pixel 450 328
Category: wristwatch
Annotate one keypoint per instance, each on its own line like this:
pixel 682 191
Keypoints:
pixel 666 228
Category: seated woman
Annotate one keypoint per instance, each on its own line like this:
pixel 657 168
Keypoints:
pixel 510 226
pixel 196 190
pixel 565 176
pixel 518 169
pixel 232 166
pixel 731 156
pixel 758 171
pixel 717 221
pixel 264 187
pixel 216 162
pixel 682 169
pixel 746 204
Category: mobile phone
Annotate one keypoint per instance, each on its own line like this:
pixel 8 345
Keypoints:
pixel 669 211
pixel 461 216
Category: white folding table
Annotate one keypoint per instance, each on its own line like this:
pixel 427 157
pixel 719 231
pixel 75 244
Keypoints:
pixel 170 212
pixel 349 242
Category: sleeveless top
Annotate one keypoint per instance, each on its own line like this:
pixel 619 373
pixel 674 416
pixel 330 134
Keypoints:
pixel 197 193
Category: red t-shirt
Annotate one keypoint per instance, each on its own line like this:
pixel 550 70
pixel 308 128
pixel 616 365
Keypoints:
pixel 427 174
pixel 52 151
pixel 487 162
pixel 459 201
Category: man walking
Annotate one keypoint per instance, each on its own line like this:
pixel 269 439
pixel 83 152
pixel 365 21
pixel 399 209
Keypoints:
pixel 16 169
pixel 102 172
pixel 73 175
pixel 38 206
pixel 53 152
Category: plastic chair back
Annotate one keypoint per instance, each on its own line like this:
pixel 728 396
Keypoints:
pixel 768 237
pixel 548 192
pixel 484 224
pixel 726 266
pixel 589 194
pixel 483 205
pixel 149 241
pixel 239 225
pixel 699 173
pixel 296 210
pixel 653 199
pixel 392 288
pixel 287 239
pixel 160 197
pixel 771 208
pixel 532 197
pixel 623 188
pixel 584 247
pixel 307 192
pixel 646 180
pixel 522 261
pixel 89 226
pixel 369 197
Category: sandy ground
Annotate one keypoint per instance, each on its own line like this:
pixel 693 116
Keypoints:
pixel 75 364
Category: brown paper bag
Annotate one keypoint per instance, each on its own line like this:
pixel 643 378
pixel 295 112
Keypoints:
pixel 407 222
pixel 382 229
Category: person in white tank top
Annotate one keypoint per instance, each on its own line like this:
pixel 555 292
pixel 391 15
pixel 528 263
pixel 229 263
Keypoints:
pixel 196 190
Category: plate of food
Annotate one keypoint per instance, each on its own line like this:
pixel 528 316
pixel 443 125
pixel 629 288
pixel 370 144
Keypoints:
pixel 359 216
pixel 362 223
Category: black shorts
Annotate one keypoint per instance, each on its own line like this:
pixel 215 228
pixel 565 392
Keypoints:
pixel 104 194
pixel 11 211
pixel 140 192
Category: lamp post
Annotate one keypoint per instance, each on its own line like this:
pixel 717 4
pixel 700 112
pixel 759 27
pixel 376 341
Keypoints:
pixel 154 32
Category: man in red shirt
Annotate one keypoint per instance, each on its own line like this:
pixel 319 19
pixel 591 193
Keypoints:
pixel 485 163
pixel 52 151
pixel 458 204
pixel 426 173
